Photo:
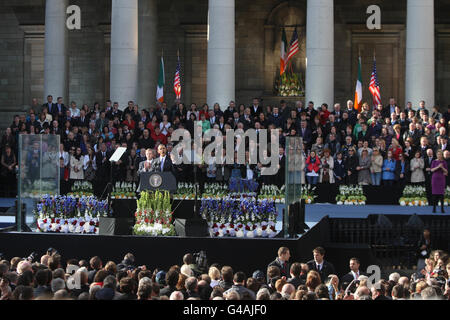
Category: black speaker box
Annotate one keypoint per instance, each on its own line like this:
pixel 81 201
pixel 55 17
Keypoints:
pixel 116 226
pixel 191 228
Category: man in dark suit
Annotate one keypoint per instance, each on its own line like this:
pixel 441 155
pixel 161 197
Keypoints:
pixel 163 163
pixel 114 112
pixel 276 118
pixel 58 109
pixel 50 105
pixel 82 121
pixel 280 178
pixel 296 275
pixel 421 107
pixel 282 262
pixel 352 275
pixel 444 144
pixel 255 109
pixel 388 110
pixel 324 268
pixel 246 119
pixel 102 174
pixel 305 133
pixel 412 133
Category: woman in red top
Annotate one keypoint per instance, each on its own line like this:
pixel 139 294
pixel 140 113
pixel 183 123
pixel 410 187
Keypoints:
pixel 324 114
pixel 153 124
pixel 205 111
pixel 129 122
pixel 312 168
pixel 395 148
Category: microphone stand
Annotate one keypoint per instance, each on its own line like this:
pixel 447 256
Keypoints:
pixel 196 209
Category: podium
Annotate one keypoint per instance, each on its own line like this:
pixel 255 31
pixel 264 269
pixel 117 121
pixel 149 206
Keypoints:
pixel 157 181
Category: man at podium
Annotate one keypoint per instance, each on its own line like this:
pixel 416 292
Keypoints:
pixel 163 163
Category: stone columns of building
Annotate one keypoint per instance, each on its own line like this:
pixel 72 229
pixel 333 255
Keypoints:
pixel 56 62
pixel 148 60
pixel 320 52
pixel 221 53
pixel 124 51
pixel 420 70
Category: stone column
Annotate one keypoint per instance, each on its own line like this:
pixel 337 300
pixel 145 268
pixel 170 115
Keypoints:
pixel 148 59
pixel 320 52
pixel 124 51
pixel 269 67
pixel 221 53
pixel 56 62
pixel 420 69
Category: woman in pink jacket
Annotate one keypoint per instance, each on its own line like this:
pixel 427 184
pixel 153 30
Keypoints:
pixel 312 168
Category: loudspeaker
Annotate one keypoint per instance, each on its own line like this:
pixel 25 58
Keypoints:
pixel 296 213
pixel 191 228
pixel 116 226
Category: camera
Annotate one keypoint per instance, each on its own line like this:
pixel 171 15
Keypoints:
pixel 32 257
pixel 201 260
pixel 51 251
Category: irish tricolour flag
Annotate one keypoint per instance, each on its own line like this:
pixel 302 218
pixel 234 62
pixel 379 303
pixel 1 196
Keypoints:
pixel 283 54
pixel 161 81
pixel 358 91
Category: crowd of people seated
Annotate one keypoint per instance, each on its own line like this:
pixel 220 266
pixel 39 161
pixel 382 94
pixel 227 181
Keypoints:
pixel 48 277
pixel 383 145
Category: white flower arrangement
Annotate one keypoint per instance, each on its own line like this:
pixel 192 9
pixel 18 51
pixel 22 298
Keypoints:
pixel 83 225
pixel 81 188
pixel 351 196
pixel 124 190
pixel 272 192
pixel 414 196
pixel 214 191
pixel 185 191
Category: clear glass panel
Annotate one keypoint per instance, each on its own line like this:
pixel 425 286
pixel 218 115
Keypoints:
pixel 39 174
pixel 295 164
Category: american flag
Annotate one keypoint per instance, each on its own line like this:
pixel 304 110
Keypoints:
pixel 293 47
pixel 177 81
pixel 374 86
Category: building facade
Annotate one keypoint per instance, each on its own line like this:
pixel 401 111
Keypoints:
pixel 116 53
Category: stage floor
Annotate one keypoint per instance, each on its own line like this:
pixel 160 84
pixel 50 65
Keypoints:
pixel 315 212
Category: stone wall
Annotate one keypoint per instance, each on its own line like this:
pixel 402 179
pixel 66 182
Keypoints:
pixel 182 26
pixel 11 65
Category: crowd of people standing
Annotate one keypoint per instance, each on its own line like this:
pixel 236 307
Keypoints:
pixel 382 145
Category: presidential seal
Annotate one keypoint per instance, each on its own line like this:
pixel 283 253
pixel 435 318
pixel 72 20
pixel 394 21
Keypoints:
pixel 155 180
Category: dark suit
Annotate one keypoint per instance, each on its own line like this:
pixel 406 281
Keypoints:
pixel 248 123
pixel 225 176
pixel 296 281
pixel 111 114
pixel 84 123
pixel 407 172
pixel 386 113
pixel 306 136
pixel 284 267
pixel 347 278
pixel 327 269
pixel 102 175
pixel 167 166
pixel 255 114
pixel 55 111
